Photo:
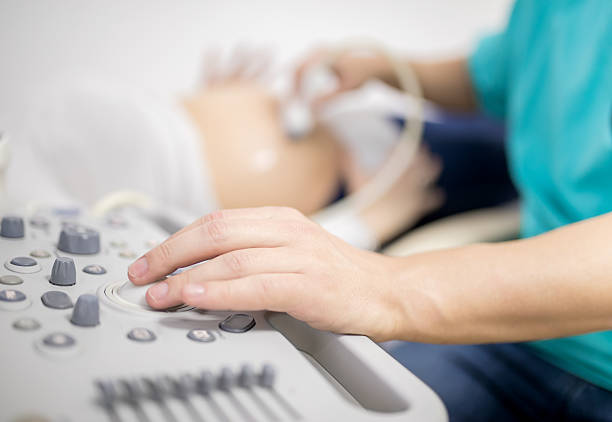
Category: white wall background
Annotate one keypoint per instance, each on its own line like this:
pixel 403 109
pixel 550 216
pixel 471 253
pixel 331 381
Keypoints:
pixel 158 44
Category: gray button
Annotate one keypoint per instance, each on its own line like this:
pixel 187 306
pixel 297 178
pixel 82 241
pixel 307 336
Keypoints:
pixel 12 227
pixel 10 295
pixel 128 254
pixel 94 269
pixel 107 390
pixel 206 382
pixel 203 336
pixel 78 239
pixel 86 311
pixel 179 389
pixel 237 323
pixel 59 340
pixel 117 222
pixel 23 261
pixel 39 222
pixel 40 253
pixel 267 376
pixel 119 244
pixel 226 379
pixel 63 272
pixel 188 383
pixel 247 377
pixel 26 324
pixel 56 300
pixel 130 390
pixel 155 387
pixel 141 334
pixel 22 264
pixel 11 279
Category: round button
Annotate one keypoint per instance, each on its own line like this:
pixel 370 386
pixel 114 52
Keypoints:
pixel 94 269
pixel 11 279
pixel 141 334
pixel 59 340
pixel 10 295
pixel 119 244
pixel 78 239
pixel 40 253
pixel 117 222
pixel 13 300
pixel 56 300
pixel 23 265
pixel 150 244
pixel 23 261
pixel 127 254
pixel 26 324
pixel 12 227
pixel 201 336
pixel 39 222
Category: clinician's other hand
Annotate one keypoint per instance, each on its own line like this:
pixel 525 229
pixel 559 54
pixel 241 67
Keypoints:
pixel 273 258
pixel 352 70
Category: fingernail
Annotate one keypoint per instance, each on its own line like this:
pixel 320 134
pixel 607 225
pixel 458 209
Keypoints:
pixel 193 291
pixel 138 268
pixel 159 291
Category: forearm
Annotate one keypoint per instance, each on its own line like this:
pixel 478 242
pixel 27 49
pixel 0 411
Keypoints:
pixel 446 83
pixel 553 285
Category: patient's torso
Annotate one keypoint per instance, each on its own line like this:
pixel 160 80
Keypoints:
pixel 251 160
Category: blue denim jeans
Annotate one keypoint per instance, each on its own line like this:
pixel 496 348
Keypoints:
pixel 502 383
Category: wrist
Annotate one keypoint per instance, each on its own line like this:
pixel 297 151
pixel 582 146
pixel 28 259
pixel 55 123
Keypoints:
pixel 434 305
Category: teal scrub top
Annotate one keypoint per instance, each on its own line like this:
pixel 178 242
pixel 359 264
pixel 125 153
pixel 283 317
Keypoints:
pixel 549 75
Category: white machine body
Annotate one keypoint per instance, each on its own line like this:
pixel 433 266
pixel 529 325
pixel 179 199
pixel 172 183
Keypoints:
pixel 96 352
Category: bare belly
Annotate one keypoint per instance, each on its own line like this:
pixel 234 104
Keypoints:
pixel 251 160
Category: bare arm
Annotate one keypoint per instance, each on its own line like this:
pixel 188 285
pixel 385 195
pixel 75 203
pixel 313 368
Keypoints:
pixel 446 82
pixel 553 285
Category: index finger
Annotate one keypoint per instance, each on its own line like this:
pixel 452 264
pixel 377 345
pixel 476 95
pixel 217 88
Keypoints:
pixel 241 213
pixel 210 240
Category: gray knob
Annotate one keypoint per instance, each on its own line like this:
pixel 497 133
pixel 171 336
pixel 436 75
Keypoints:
pixel 79 240
pixel 226 379
pixel 267 376
pixel 206 382
pixel 86 311
pixel 63 272
pixel 12 227
pixel 247 377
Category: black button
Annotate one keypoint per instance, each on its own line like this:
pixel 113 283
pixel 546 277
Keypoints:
pixel 237 323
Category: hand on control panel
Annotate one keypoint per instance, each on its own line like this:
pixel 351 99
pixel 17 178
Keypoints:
pixel 273 258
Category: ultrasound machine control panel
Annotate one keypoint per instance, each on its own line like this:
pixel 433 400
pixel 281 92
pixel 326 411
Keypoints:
pixel 80 343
